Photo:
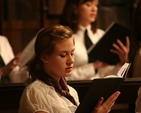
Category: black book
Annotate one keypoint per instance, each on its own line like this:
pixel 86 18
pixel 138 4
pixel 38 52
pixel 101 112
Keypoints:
pixel 102 87
pixel 101 51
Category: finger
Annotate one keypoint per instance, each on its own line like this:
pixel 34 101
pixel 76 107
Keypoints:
pixel 109 110
pixel 111 105
pixel 108 104
pixel 113 97
pixel 118 49
pixel 15 63
pixel 125 47
pixel 116 46
pixel 121 48
pixel 115 51
pixel 17 56
pixel 99 103
pixel 127 42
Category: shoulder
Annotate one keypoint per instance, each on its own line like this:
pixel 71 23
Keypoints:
pixel 100 31
pixel 3 38
pixel 38 87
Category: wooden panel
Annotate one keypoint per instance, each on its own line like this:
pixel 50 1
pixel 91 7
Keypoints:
pixel 10 94
pixel 20 33
pixel 20 22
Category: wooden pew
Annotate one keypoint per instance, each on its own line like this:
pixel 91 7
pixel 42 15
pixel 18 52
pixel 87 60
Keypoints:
pixel 128 92
pixel 10 93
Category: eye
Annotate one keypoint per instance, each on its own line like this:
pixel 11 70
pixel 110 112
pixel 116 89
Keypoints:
pixel 62 56
pixel 88 4
pixel 72 54
pixel 96 5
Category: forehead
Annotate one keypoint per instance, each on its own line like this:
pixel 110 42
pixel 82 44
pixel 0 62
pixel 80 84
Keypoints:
pixel 66 44
pixel 83 1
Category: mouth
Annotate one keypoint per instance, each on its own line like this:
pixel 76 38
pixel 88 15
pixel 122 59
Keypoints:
pixel 68 69
pixel 93 15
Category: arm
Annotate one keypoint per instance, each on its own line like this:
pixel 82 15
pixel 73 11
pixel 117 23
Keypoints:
pixel 8 68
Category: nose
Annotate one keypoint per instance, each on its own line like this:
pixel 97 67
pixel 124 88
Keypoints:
pixel 94 7
pixel 70 59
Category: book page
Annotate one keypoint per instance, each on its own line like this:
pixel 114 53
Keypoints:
pixel 112 76
pixel 122 71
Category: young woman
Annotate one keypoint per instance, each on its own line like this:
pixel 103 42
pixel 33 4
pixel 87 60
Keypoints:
pixel 81 15
pixel 53 61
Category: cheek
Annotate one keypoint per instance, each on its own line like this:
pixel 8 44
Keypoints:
pixel 84 11
pixel 83 14
pixel 58 63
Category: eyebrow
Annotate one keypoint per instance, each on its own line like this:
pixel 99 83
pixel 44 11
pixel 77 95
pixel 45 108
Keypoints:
pixel 66 51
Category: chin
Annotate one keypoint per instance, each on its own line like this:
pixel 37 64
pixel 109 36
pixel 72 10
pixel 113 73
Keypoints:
pixel 92 20
pixel 67 74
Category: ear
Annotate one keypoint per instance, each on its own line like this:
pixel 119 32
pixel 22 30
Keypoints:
pixel 44 58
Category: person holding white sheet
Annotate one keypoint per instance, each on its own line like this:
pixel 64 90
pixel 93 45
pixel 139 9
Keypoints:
pixel 81 15
pixel 9 66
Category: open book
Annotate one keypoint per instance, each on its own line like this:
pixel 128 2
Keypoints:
pixel 102 87
pixel 101 50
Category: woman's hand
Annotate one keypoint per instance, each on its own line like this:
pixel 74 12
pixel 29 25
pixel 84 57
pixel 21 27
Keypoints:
pixel 8 68
pixel 122 50
pixel 99 64
pixel 107 105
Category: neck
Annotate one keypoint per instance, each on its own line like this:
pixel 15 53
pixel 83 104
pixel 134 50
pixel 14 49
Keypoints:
pixel 84 24
pixel 52 75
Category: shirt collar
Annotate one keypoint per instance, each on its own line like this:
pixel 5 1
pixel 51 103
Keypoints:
pixel 83 28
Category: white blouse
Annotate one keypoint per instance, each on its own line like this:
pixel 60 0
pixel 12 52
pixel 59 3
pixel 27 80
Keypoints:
pixel 39 96
pixel 82 69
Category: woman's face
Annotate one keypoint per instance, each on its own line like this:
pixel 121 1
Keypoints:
pixel 87 12
pixel 60 62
